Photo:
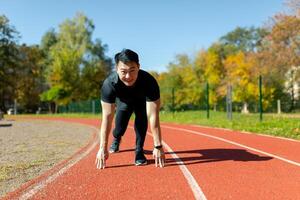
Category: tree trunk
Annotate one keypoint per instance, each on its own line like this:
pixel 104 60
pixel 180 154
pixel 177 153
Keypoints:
pixel 56 108
pixel 293 98
pixel 49 107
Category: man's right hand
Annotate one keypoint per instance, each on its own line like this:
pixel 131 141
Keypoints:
pixel 101 157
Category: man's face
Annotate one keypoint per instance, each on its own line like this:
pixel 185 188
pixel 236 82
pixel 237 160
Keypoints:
pixel 128 72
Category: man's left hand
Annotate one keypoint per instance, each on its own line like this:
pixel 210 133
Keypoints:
pixel 159 157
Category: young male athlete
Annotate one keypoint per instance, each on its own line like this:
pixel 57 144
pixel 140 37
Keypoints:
pixel 130 90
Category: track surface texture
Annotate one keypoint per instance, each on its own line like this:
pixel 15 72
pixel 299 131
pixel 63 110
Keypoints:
pixel 202 163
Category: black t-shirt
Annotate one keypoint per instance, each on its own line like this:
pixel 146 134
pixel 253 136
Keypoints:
pixel 144 89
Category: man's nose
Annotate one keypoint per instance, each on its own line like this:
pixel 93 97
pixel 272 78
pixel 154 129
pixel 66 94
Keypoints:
pixel 127 75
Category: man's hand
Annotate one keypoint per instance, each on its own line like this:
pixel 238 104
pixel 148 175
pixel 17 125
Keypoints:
pixel 101 157
pixel 159 157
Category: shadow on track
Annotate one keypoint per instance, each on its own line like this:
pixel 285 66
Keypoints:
pixel 147 152
pixel 203 156
pixel 5 125
pixel 215 155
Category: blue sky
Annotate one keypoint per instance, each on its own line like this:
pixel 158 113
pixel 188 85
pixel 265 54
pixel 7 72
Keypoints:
pixel 157 30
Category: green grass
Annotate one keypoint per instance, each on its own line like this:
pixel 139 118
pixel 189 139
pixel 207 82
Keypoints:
pixel 285 125
pixel 278 125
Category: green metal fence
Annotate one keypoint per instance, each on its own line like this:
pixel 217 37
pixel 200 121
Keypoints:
pixel 88 106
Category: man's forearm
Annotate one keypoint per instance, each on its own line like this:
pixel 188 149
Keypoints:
pixel 153 117
pixel 157 136
pixel 155 129
pixel 107 118
pixel 104 132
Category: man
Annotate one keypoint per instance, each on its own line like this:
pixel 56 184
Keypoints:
pixel 130 89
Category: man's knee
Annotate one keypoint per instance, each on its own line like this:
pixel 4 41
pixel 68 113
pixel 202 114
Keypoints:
pixel 119 131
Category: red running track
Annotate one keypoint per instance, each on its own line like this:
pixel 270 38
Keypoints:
pixel 210 164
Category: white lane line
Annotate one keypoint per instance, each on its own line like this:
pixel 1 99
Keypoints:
pixel 40 185
pixel 235 143
pixel 247 132
pixel 198 193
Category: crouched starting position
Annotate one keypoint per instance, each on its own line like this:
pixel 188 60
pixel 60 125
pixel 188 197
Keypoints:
pixel 130 90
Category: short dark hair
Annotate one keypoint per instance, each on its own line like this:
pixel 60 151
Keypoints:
pixel 126 56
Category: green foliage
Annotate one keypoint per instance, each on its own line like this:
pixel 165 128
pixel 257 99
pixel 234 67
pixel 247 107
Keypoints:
pixel 67 66
pixel 210 65
pixel 48 40
pixel 75 64
pixel 31 81
pixel 67 54
pixel 183 79
pixel 96 68
pixel 238 58
pixel 56 93
pixel 243 39
pixel 9 59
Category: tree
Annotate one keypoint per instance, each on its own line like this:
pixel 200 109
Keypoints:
pixel 96 68
pixel 30 77
pixel 49 39
pixel 8 61
pixel 210 68
pixel 243 39
pixel 54 96
pixel 284 40
pixel 239 73
pixel 182 79
pixel 76 65
pixel 66 55
pixel 280 55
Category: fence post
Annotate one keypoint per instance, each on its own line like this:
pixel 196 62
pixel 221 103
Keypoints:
pixel 260 99
pixel 207 100
pixel 229 102
pixel 93 106
pixel 15 107
pixel 173 101
pixel 1 115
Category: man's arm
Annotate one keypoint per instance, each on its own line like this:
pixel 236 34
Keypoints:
pixel 108 110
pixel 153 117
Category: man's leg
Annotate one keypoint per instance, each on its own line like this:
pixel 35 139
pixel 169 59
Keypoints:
pixel 140 127
pixel 121 123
